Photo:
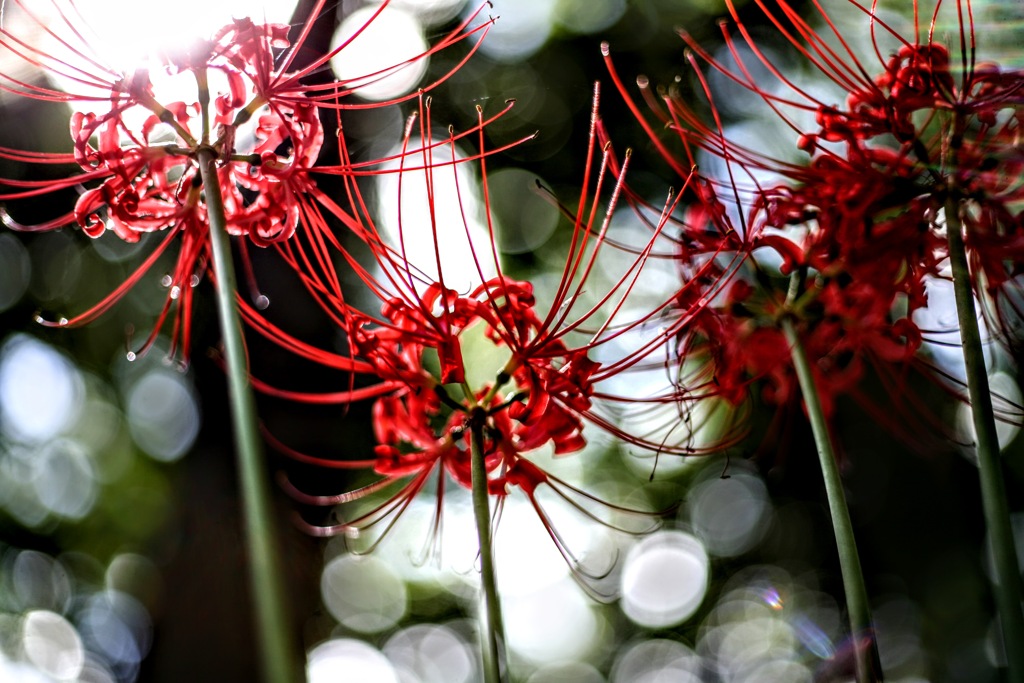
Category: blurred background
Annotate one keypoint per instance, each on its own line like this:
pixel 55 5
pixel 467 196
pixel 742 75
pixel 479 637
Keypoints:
pixel 120 543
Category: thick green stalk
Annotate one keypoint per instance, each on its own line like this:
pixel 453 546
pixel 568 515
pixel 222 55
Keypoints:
pixel 492 637
pixel 993 493
pixel 274 646
pixel 868 668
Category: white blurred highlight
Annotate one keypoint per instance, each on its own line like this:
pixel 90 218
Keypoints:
pixel 431 12
pixel 117 627
pixel 417 217
pixel 1006 396
pixel 363 593
pixel 657 660
pixel 730 515
pixel 126 34
pixel 410 551
pixel 38 582
pixel 941 327
pixel 767 627
pixel 345 659
pixel 59 628
pixel 372 62
pixel 40 390
pixel 433 654
pixel 52 644
pixel 555 623
pixel 522 574
pixel 522 28
pixel 64 480
pixel 163 415
pixel 664 579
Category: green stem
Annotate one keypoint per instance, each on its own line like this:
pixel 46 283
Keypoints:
pixel 492 638
pixel 868 668
pixel 275 647
pixel 993 493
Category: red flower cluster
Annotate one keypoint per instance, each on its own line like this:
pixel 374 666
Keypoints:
pixel 253 107
pixel 860 229
pixel 545 385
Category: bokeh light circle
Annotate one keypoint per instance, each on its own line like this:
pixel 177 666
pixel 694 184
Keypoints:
pixel 52 644
pixel 116 627
pixel 135 575
pixel 730 515
pixel 345 659
pixel 433 654
pixel 522 28
pixel 431 12
pixel 40 390
pixel 375 48
pixel 64 480
pixel 743 646
pixel 525 220
pixel 38 582
pixel 664 579
pixel 589 16
pixel 553 624
pixel 657 660
pixel 163 416
pixel 363 593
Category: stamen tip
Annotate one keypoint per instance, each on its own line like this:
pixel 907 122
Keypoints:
pixel 606 49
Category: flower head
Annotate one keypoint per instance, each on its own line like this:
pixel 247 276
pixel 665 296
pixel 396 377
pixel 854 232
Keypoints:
pixel 494 361
pixel 858 230
pixel 244 95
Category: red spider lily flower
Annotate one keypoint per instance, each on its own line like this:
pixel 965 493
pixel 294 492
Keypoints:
pixel 252 104
pixel 841 292
pixel 974 146
pixel 737 350
pixel 552 362
pixel 860 227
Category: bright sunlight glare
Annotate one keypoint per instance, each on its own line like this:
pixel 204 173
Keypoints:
pixel 129 32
